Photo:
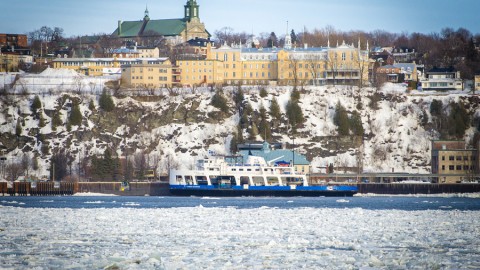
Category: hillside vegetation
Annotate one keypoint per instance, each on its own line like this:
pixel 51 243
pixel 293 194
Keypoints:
pixel 373 129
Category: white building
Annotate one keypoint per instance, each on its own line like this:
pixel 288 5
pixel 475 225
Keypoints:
pixel 442 79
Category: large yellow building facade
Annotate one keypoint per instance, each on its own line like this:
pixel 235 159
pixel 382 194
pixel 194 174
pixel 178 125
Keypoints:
pixel 343 64
pixel 453 162
pixel 148 75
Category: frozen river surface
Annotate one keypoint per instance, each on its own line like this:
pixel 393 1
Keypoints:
pixel 255 234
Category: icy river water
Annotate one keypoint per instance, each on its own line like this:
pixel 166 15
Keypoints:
pixel 83 232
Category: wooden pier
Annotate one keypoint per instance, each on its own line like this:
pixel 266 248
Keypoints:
pixel 162 188
pixel 38 188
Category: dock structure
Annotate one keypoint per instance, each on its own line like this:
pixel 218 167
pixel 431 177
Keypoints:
pixel 162 189
pixel 38 188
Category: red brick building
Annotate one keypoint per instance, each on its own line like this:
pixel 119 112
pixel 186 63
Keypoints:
pixel 16 40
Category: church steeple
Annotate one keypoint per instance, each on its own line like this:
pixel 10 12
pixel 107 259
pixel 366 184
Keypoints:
pixel 191 10
pixel 146 17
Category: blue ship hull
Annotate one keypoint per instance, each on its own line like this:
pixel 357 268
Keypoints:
pixel 271 191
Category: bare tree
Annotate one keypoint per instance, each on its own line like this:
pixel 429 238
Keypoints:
pixel 293 66
pixel 333 65
pixel 314 63
pixel 14 170
pixel 169 163
pixel 26 163
pixel 140 164
pixel 78 82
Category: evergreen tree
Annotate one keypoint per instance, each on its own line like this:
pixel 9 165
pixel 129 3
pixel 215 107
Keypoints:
pixel 240 134
pixel 91 105
pixel 106 102
pixel 75 115
pixel 238 98
pixel 263 92
pixel 436 107
pixel 219 101
pixel 56 120
pixel 264 126
pixel 36 105
pixel 275 109
pixel 41 122
pixel 247 112
pixel 295 95
pixel 356 124
pixel 340 119
pixel 293 36
pixel 18 128
pixel 374 99
pixel 458 120
pixel 234 143
pixel 253 132
pixel 272 40
pixel 294 114
pixel 59 166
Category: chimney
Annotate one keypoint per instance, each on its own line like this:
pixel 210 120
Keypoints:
pixel 119 27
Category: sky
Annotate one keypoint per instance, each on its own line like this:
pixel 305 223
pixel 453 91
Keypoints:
pixel 252 16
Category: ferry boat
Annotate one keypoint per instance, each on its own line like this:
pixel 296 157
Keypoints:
pixel 216 176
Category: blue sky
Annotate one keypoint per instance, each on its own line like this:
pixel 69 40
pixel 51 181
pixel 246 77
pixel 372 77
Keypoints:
pixel 101 16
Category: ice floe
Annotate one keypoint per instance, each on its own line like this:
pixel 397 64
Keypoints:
pixel 233 238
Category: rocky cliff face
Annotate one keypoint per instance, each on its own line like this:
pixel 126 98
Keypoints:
pixel 174 130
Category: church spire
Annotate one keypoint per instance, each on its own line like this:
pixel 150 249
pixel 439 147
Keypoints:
pixel 146 17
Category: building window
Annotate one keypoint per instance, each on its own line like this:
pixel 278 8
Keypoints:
pixel 451 167
pixel 465 157
pixel 451 158
pixel 343 56
pixel 443 167
pixel 443 157
pixel 459 167
pixel 459 157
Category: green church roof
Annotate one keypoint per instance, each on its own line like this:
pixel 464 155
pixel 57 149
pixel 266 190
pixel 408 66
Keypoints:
pixel 166 27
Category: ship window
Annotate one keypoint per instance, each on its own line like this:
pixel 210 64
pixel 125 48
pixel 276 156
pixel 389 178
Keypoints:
pixel 234 170
pixel 265 170
pixel 249 170
pixel 257 170
pixel 240 170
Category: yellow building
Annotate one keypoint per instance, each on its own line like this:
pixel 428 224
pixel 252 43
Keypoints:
pixel 344 64
pixel 10 62
pixel 150 75
pixel 453 162
pixel 200 72
pixel 100 66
